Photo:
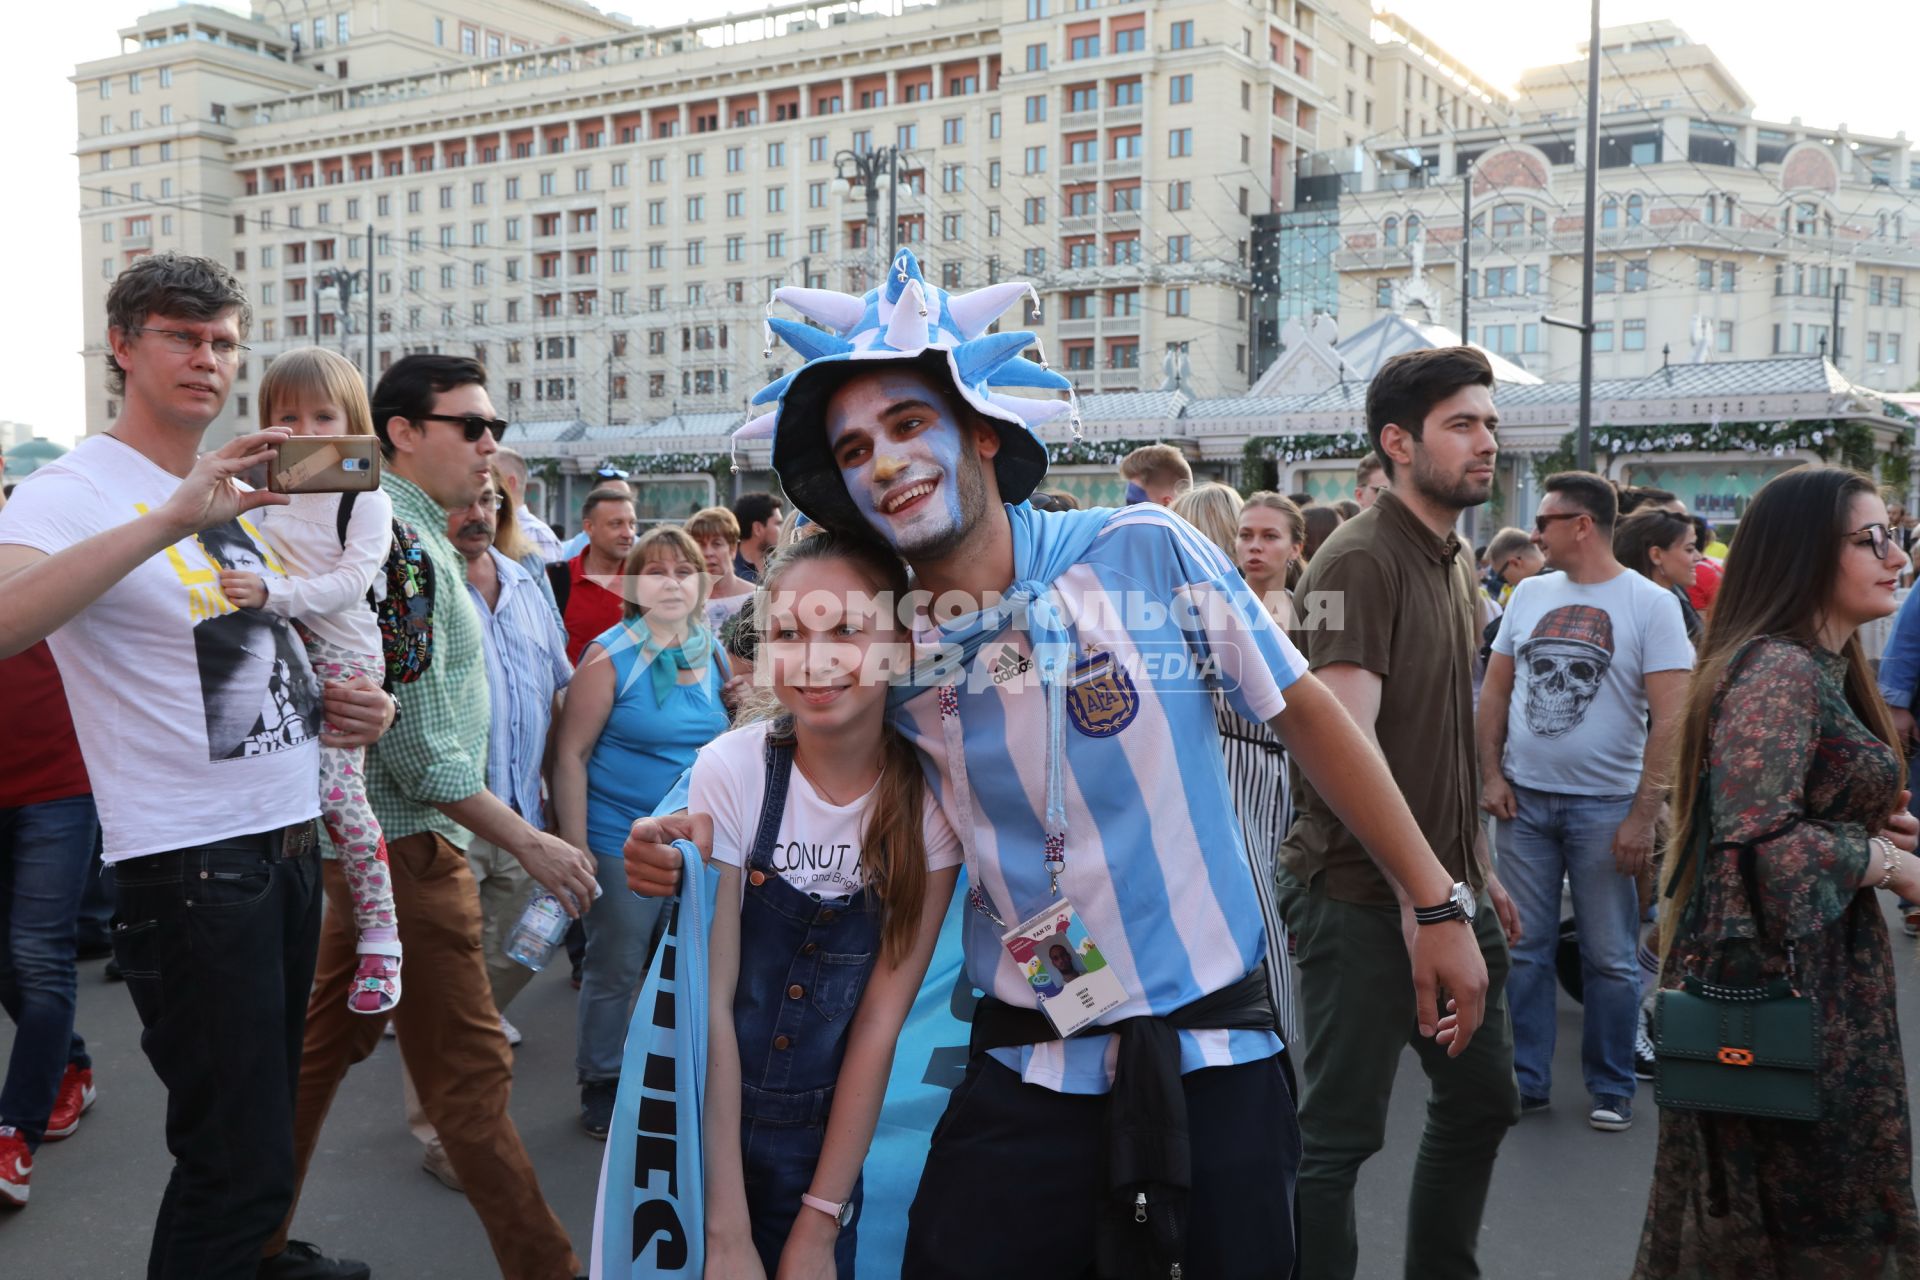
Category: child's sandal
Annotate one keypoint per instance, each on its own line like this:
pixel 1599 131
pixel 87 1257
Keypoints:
pixel 376 984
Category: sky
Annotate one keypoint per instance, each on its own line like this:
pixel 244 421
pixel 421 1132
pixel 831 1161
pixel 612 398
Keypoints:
pixel 1825 80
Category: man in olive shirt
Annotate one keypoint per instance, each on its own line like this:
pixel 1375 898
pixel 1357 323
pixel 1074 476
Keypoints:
pixel 1393 593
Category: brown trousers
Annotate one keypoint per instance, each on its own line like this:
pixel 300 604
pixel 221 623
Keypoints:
pixel 450 1040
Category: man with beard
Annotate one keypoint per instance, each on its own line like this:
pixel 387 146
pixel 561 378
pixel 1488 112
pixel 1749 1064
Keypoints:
pixel 1397 651
pixel 1107 621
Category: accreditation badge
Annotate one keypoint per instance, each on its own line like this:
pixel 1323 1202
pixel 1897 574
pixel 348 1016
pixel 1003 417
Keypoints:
pixel 1071 980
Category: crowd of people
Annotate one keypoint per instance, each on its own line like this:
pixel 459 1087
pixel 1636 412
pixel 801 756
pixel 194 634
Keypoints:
pixel 1207 904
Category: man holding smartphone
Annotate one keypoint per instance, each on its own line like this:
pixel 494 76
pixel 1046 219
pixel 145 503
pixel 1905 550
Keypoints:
pixel 206 780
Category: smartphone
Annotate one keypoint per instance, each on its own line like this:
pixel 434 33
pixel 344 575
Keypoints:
pixel 325 464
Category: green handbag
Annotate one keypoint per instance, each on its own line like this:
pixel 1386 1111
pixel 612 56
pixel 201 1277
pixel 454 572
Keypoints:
pixel 1747 1051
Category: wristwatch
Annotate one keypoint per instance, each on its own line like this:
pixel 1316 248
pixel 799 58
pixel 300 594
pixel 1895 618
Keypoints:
pixel 841 1213
pixel 1459 906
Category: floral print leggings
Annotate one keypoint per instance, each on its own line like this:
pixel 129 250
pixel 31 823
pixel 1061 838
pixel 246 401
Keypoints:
pixel 349 819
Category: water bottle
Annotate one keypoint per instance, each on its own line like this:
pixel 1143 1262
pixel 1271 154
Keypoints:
pixel 542 925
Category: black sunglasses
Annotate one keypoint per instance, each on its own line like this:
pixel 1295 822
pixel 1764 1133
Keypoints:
pixel 1877 537
pixel 471 424
pixel 1540 523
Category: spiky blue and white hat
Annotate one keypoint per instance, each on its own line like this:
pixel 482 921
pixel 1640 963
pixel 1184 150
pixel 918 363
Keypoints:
pixel 905 320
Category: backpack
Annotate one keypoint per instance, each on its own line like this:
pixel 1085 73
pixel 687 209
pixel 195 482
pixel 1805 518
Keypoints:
pixel 405 615
pixel 561 580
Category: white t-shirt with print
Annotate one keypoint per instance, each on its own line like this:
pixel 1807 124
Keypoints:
pixel 198 720
pixel 818 848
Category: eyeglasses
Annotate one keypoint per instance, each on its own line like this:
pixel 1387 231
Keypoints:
pixel 185 344
pixel 1540 523
pixel 1878 538
pixel 470 423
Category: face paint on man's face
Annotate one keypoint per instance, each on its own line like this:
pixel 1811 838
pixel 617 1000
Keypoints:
pixel 909 479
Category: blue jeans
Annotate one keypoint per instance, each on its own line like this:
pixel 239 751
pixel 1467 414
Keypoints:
pixel 1571 836
pixel 619 944
pixel 46 851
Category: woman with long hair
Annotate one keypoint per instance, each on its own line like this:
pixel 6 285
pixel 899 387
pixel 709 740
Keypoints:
pixel 836 866
pixel 1787 755
pixel 1663 547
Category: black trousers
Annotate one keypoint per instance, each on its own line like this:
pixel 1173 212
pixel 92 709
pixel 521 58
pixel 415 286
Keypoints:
pixel 1015 1172
pixel 218 946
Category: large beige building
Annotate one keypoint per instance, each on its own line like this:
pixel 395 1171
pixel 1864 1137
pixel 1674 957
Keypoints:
pixel 1720 236
pixel 600 211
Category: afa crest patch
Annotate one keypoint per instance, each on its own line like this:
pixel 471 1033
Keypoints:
pixel 1101 699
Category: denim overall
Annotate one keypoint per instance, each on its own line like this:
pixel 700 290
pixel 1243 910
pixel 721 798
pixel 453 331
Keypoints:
pixel 803 966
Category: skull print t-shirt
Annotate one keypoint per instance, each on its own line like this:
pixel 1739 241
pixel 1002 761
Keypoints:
pixel 1577 720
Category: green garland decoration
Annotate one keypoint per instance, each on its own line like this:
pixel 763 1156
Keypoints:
pixel 1261 455
pixel 1076 453
pixel 1845 440
pixel 717 465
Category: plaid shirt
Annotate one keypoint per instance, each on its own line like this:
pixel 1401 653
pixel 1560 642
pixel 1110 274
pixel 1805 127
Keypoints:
pixel 437 750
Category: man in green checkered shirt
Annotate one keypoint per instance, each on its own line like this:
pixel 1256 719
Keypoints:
pixel 427 783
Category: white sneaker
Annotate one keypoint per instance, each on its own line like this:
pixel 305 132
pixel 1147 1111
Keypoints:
pixel 511 1032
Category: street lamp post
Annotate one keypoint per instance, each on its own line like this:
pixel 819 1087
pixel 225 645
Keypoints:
pixel 869 167
pixel 1583 446
pixel 343 282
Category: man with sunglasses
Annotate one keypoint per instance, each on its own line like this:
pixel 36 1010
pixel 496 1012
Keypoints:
pixel 428 784
pixel 206 787
pixel 1587 678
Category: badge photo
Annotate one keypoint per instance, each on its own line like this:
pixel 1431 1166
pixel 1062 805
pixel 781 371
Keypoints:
pixel 1071 980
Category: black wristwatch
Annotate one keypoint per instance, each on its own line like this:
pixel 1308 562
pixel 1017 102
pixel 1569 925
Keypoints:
pixel 1459 906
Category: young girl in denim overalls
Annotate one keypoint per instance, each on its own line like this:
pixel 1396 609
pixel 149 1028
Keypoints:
pixel 842 866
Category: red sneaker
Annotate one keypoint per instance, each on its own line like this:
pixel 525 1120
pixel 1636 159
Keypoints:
pixel 75 1097
pixel 16 1167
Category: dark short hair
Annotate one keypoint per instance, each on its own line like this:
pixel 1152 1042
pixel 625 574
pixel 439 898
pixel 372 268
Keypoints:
pixel 752 508
pixel 1702 532
pixel 407 390
pixel 599 496
pixel 1407 387
pixel 1634 497
pixel 1591 493
pixel 170 284
pixel 220 541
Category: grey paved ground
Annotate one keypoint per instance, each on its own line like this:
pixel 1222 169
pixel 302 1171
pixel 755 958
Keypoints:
pixel 1567 1201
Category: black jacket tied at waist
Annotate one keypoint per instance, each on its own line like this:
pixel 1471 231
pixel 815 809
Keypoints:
pixel 1149 1157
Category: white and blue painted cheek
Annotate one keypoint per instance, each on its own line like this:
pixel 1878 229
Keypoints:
pixel 932 451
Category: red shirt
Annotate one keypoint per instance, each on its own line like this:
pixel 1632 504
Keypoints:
pixel 39 756
pixel 1706 585
pixel 591 609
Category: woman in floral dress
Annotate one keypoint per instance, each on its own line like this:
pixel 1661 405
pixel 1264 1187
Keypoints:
pixel 1807 807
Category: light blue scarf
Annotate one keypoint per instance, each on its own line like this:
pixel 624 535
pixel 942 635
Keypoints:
pixel 664 662
pixel 1045 545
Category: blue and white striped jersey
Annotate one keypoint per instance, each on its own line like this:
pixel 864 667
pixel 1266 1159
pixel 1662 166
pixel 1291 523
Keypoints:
pixel 1155 862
